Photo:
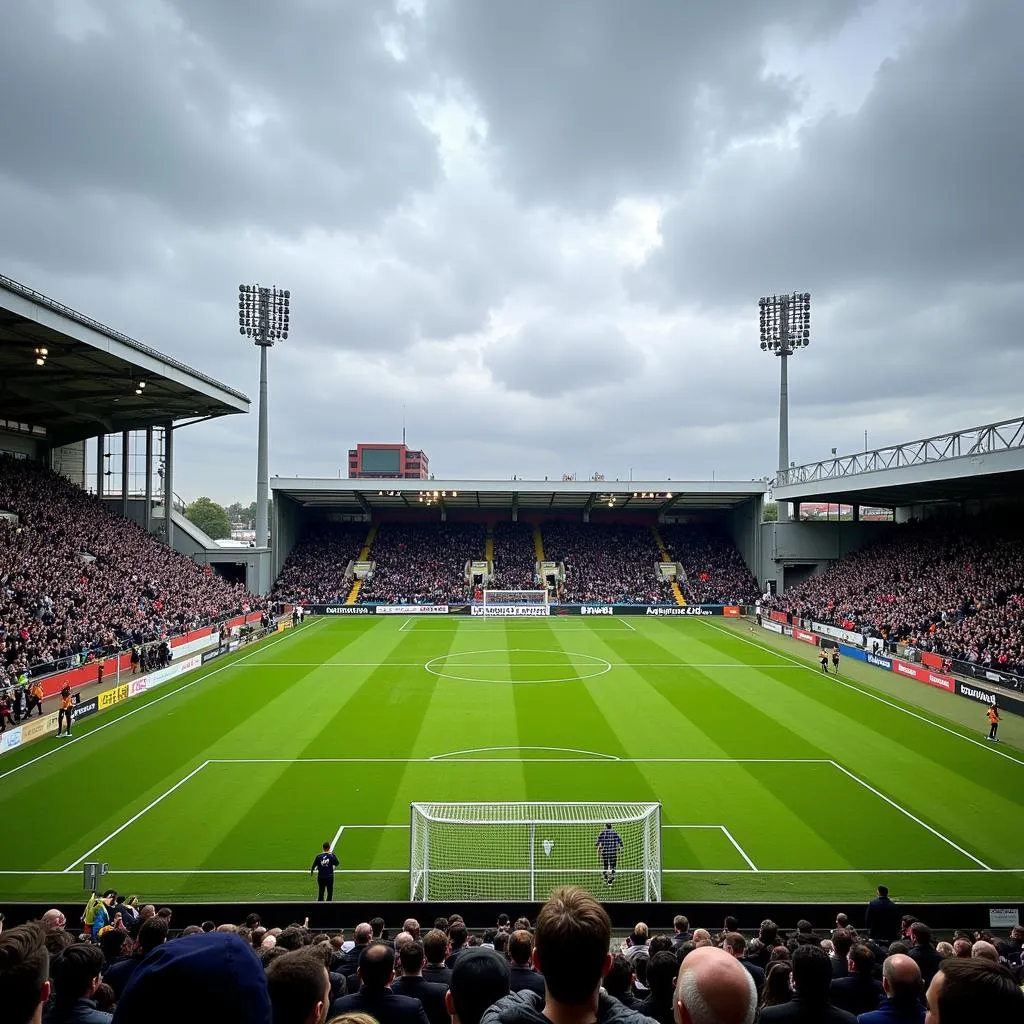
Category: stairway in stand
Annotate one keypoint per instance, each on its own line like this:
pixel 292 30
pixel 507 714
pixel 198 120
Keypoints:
pixel 364 556
pixel 677 592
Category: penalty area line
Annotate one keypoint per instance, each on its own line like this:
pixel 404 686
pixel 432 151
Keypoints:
pixel 135 817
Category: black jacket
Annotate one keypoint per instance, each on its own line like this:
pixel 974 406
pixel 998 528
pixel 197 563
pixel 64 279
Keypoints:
pixel 81 1011
pixel 663 1012
pixel 384 1006
pixel 349 965
pixel 883 919
pixel 856 993
pixel 436 974
pixel 526 978
pixel 928 959
pixel 799 1011
pixel 525 1008
pixel 429 994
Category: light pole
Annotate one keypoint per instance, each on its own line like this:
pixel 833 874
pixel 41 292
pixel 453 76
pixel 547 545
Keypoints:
pixel 785 327
pixel 263 315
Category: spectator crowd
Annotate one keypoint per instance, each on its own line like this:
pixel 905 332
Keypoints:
pixel 425 563
pixel 605 563
pixel 515 560
pixel 314 571
pixel 715 570
pixel 128 967
pixel 953 588
pixel 78 582
pixel 422 563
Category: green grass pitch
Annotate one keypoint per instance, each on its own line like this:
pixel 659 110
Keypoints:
pixel 775 782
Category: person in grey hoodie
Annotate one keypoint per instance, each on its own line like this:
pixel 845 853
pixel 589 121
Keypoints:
pixel 571 951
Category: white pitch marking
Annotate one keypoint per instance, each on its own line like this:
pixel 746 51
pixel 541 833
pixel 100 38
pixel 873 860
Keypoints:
pixel 490 664
pixel 740 850
pixel 629 625
pixel 866 693
pixel 667 871
pixel 564 750
pixel 120 718
pixel 518 760
pixel 912 817
pixel 337 836
pixel 135 817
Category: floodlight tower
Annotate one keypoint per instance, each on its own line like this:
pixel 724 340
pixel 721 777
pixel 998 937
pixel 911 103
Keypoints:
pixel 785 327
pixel 263 315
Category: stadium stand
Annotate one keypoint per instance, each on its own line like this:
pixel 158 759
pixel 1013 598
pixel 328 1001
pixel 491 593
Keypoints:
pixel 605 563
pixel 78 581
pixel 422 564
pixel 953 588
pixel 250 971
pixel 715 570
pixel 514 556
pixel 314 572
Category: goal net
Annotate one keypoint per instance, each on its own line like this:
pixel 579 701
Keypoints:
pixel 513 603
pixel 521 851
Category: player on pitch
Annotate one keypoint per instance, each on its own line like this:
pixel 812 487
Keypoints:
pixel 609 842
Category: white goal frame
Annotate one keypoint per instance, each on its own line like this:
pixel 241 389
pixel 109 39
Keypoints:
pixel 513 604
pixel 434 873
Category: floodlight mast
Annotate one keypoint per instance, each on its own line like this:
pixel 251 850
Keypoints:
pixel 785 327
pixel 264 315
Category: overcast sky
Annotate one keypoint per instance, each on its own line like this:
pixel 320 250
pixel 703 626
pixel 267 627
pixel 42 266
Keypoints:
pixel 539 226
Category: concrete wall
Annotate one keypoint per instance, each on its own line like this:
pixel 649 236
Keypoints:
pixel 285 531
pixel 22 444
pixel 745 529
pixel 810 548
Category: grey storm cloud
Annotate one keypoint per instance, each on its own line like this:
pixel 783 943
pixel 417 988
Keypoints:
pixel 534 229
pixel 552 358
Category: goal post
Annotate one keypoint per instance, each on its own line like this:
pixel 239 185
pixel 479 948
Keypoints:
pixel 513 603
pixel 521 851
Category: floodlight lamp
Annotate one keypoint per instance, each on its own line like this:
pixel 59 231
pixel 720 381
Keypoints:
pixel 764 346
pixel 40 361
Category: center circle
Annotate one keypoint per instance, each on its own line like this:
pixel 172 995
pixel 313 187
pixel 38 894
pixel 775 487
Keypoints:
pixel 500 665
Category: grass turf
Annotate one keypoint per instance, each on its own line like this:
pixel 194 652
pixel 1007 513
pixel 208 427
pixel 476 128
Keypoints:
pixel 224 787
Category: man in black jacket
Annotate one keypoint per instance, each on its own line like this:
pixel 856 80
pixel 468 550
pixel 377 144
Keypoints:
pixel 435 949
pixel 858 992
pixel 479 980
pixel 572 939
pixel 812 976
pixel 349 963
pixel 413 984
pixel 661 982
pixel 520 953
pixel 376 972
pixel 923 952
pixel 883 917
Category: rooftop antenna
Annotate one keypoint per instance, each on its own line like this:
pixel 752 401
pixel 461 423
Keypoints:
pixel 403 423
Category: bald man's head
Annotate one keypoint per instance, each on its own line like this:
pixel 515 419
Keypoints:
pixel 962 949
pixel 983 950
pixel 714 988
pixel 901 978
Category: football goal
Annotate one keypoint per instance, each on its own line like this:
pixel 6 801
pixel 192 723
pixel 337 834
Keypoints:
pixel 521 851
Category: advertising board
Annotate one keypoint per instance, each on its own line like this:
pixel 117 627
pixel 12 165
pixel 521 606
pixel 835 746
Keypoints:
pixel 412 609
pixel 511 611
pixel 807 638
pixel 85 708
pixel 835 633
